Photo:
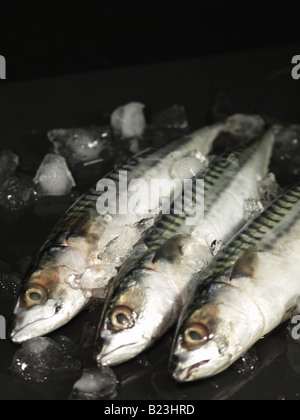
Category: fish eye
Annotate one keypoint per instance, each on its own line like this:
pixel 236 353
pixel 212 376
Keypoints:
pixel 195 335
pixel 35 295
pixel 122 318
pixel 58 309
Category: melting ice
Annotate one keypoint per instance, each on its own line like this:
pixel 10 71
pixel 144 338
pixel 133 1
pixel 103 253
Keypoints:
pixel 41 359
pixel 128 121
pixel 16 193
pixel 79 145
pixel 53 177
pixel 95 383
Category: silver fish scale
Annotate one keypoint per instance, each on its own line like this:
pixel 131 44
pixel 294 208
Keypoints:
pixel 86 204
pixel 257 232
pixel 219 175
pixel 215 182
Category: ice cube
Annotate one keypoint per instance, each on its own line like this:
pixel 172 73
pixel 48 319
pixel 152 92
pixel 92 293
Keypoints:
pixel 41 359
pixel 116 243
pixel 245 126
pixel 189 166
pixel 53 177
pixel 269 189
pixel 9 162
pixel 95 384
pixel 65 343
pixel 10 280
pixel 252 209
pixel 129 121
pixel 16 193
pixel 78 145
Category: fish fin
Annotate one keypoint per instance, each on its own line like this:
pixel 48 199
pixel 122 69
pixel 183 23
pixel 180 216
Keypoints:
pixel 246 264
pixel 171 250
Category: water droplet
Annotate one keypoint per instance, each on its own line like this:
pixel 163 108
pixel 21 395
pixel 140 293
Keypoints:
pixel 248 363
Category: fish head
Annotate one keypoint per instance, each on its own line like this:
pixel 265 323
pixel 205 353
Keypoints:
pixel 134 320
pixel 49 298
pixel 214 336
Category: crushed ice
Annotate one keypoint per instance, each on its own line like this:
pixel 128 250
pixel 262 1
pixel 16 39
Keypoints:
pixel 190 165
pixel 269 189
pixel 252 209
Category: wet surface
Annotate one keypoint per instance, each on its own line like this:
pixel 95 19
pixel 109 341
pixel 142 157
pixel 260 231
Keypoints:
pixel 28 110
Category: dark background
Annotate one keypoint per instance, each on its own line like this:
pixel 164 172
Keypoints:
pixel 49 38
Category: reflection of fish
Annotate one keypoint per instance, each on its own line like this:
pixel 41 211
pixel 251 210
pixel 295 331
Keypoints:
pixel 85 248
pixel 151 288
pixel 251 288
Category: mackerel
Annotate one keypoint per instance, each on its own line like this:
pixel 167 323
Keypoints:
pixel 85 248
pixel 150 290
pixel 252 287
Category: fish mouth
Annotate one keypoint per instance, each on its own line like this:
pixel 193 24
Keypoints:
pixel 33 329
pixel 116 356
pixel 188 374
pixel 40 320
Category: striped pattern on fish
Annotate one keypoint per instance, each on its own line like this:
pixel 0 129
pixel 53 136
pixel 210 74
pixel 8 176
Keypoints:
pixel 162 267
pixel 85 249
pixel 251 288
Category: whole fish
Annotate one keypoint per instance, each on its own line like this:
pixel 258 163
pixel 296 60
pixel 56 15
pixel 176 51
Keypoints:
pixel 85 249
pixel 251 288
pixel 149 292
